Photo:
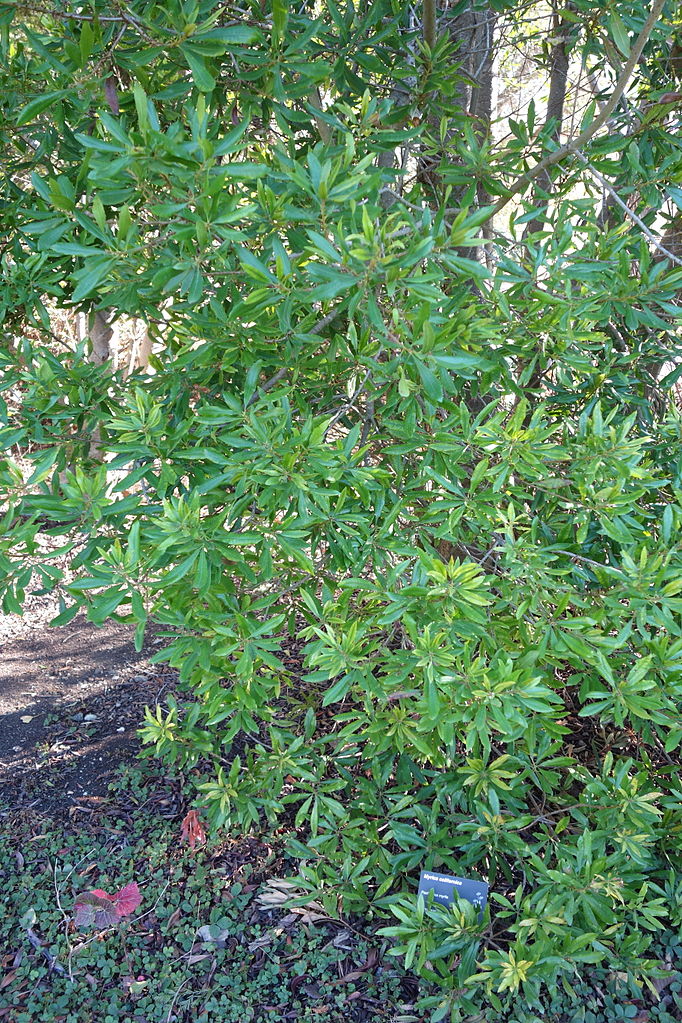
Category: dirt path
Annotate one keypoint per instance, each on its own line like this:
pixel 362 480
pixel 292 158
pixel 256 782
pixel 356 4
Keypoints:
pixel 71 699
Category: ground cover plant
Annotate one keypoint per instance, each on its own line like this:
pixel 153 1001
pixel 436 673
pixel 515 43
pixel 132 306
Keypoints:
pixel 395 463
pixel 202 944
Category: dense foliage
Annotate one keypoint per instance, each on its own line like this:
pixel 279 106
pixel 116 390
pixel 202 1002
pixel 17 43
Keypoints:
pixel 408 412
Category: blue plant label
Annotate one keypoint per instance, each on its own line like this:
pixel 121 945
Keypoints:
pixel 446 889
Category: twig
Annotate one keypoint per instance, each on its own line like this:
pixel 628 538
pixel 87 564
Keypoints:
pixel 624 206
pixel 347 406
pixel 401 198
pixel 73 15
pixel 324 322
pixel 578 143
pixel 367 426
pixel 56 338
pixel 281 373
pixel 110 49
pixel 137 919
pixel 268 385
pixel 134 23
pixel 65 916
pixel 124 16
pixel 175 998
pixel 589 561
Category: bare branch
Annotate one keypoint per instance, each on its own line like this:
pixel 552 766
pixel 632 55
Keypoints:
pixel 626 209
pixel 268 385
pixel 281 373
pixel 315 102
pixel 353 398
pixel 555 110
pixel 602 117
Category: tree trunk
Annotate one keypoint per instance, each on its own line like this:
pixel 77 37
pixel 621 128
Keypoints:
pixel 100 332
pixel 140 349
pixel 473 30
pixel 98 329
pixel 555 112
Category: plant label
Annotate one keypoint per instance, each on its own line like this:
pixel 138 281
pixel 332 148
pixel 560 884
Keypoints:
pixel 446 889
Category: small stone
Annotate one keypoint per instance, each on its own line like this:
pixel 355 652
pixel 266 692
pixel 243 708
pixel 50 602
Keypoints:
pixel 120 729
pixel 76 717
pixel 90 717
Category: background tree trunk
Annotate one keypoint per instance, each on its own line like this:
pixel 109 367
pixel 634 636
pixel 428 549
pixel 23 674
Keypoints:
pixel 555 112
pixel 99 330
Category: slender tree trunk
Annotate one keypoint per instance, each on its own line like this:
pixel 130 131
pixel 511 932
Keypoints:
pixel 140 349
pixel 98 329
pixel 387 159
pixel 555 112
pixel 672 238
pixel 672 241
pixel 473 29
pixel 481 105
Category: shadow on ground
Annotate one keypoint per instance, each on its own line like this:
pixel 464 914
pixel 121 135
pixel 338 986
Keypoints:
pixel 71 699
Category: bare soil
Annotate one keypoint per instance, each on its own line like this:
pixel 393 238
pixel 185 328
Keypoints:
pixel 71 699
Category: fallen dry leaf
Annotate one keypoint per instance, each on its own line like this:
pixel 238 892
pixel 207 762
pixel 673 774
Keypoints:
pixel 191 830
pixel 174 918
pixel 213 934
pixel 349 978
pixel 192 959
pixel 276 892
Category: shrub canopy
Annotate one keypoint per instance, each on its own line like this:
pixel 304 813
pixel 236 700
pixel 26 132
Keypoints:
pixel 407 422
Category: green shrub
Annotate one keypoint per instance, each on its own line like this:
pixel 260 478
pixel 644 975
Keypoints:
pixel 449 494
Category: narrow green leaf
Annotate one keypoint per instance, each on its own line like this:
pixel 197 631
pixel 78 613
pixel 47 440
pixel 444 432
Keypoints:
pixel 38 105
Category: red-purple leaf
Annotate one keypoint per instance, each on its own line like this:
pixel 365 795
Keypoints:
pixel 128 899
pixel 111 95
pixel 95 909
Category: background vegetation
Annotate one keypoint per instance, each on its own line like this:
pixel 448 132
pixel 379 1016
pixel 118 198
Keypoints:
pixel 378 324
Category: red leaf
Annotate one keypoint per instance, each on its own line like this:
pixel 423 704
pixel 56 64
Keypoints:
pixel 95 908
pixel 128 899
pixel 192 830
